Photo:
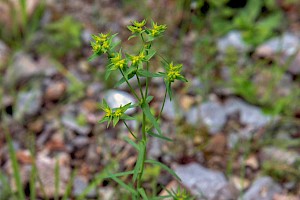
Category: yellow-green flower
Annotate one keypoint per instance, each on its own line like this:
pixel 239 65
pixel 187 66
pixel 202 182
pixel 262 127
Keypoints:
pixel 96 47
pixel 101 43
pixel 173 72
pixel 139 24
pixel 118 62
pixel 137 59
pixel 108 112
pixel 137 27
pixel 157 30
pixel 118 113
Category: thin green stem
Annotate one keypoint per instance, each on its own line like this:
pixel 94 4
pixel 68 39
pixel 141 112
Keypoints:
pixel 140 86
pixel 132 90
pixel 129 130
pixel 144 139
pixel 147 79
pixel 163 105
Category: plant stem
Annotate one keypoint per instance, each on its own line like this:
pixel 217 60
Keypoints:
pixel 129 130
pixel 144 139
pixel 163 105
pixel 140 86
pixel 132 90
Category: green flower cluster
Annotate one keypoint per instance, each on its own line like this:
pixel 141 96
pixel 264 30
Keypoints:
pixel 173 73
pixel 117 62
pixel 181 195
pixel 101 44
pixel 137 27
pixel 114 114
pixel 138 59
pixel 156 30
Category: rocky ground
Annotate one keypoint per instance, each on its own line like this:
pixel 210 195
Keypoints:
pixel 225 146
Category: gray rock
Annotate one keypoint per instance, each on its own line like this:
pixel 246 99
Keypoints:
pixel 249 115
pixel 28 103
pixel 155 149
pixel 94 89
pixel 263 188
pixel 193 116
pixel 294 68
pixel 253 116
pixel 213 115
pixel 284 156
pixel 79 185
pixel 24 67
pixel 107 193
pixel 232 39
pixel 170 109
pixel 46 168
pixel 116 98
pixel 201 181
pixel 232 140
pixel 80 141
pixel 86 36
pixel 288 44
pixel 70 121
pixel 228 192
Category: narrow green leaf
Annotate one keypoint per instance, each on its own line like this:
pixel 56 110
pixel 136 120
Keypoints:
pixel 115 120
pixel 149 99
pixel 160 136
pixel 165 167
pixel 169 89
pixel 122 80
pixel 107 73
pixel 92 57
pixel 143 193
pixel 127 117
pixel 145 73
pixel 69 186
pixel 114 45
pixel 104 119
pixel 132 36
pixel 124 185
pixel 151 53
pixel 118 174
pixel 16 167
pixel 149 115
pixel 32 182
pixel 56 180
pixel 97 180
pixel 132 143
pixel 139 161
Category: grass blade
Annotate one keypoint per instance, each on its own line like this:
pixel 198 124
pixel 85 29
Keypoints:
pixel 69 186
pixel 98 179
pixel 124 185
pixel 16 167
pixel 56 181
pixel 143 193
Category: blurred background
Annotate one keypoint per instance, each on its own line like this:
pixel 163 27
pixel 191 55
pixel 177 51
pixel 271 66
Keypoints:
pixel 235 124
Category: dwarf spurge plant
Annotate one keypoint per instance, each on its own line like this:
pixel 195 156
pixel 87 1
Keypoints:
pixel 137 66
